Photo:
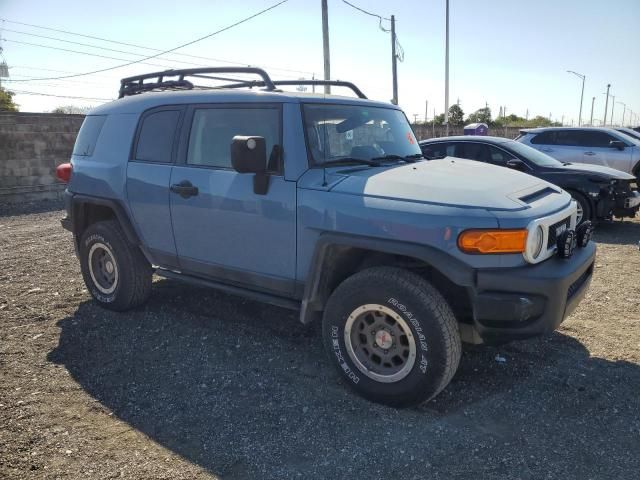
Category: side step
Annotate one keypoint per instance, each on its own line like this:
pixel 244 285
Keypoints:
pixel 242 292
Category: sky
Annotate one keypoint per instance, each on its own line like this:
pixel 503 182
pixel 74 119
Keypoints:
pixel 512 53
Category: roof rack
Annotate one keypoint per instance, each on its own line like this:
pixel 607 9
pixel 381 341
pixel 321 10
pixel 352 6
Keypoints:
pixel 159 81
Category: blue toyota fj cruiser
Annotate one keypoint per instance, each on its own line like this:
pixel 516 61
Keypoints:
pixel 323 204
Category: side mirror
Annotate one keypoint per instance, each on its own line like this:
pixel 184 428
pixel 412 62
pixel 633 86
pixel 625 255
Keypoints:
pixel 249 155
pixel 517 164
pixel 619 144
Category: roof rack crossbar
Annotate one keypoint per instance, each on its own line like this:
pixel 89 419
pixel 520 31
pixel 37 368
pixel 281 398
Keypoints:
pixel 334 83
pixel 135 84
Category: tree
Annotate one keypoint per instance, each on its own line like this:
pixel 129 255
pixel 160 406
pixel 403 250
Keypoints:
pixel 71 109
pixel 6 101
pixel 456 115
pixel 482 115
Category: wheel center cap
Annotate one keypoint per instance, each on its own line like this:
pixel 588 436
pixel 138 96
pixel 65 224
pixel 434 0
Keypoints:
pixel 384 339
pixel 109 267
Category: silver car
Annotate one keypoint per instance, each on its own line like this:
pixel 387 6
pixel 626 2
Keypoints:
pixel 597 146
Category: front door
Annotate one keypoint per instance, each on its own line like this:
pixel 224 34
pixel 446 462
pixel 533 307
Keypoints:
pixel 223 230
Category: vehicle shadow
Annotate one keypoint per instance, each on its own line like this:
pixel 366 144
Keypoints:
pixel 245 391
pixel 618 232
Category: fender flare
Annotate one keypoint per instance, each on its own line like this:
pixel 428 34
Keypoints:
pixel 316 293
pixel 79 203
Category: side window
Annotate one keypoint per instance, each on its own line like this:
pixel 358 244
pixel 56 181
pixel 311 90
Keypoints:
pixel 157 133
pixel 213 129
pixel 88 135
pixel 569 138
pixel 438 150
pixel 499 157
pixel 474 151
pixel 595 139
pixel 544 138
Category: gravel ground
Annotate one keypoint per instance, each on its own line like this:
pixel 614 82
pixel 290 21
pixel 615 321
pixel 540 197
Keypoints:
pixel 200 384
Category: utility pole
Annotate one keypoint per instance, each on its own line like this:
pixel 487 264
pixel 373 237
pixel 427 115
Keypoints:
pixel 426 111
pixel 579 75
pixel 394 61
pixel 325 46
pixel 526 117
pixel 433 124
pixel 624 111
pixel 446 70
pixel 613 105
pixel 562 121
pixel 606 105
pixel 593 100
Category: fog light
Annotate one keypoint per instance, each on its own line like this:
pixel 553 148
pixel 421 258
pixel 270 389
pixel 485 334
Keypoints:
pixel 584 234
pixel 567 244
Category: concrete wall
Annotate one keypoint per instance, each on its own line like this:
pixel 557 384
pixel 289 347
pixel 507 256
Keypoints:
pixel 32 145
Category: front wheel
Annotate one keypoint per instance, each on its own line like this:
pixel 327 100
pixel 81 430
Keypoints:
pixel 392 336
pixel 583 208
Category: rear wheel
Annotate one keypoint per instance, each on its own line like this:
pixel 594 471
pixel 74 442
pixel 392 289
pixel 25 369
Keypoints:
pixel 392 336
pixel 116 273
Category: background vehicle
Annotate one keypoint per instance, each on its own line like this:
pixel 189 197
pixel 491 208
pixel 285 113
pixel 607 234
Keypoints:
pixel 598 146
pixel 600 192
pixel 321 204
pixel 630 132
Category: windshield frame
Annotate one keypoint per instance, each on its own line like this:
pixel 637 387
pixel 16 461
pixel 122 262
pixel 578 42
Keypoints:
pixel 529 152
pixel 311 163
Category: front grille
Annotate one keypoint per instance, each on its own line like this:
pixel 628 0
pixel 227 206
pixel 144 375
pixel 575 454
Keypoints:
pixel 553 232
pixel 575 286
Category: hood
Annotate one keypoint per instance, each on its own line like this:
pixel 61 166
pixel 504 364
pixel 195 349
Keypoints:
pixel 599 170
pixel 449 181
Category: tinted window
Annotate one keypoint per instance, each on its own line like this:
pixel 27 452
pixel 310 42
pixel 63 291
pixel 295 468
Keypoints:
pixel 595 139
pixel 438 150
pixel 88 135
pixel 474 151
pixel 213 129
pixel 155 141
pixel 544 138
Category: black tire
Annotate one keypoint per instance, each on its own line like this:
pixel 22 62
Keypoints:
pixel 417 305
pixel 584 204
pixel 130 285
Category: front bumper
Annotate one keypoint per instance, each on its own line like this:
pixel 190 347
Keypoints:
pixel 517 303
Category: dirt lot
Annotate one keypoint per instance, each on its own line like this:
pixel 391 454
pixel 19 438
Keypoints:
pixel 200 384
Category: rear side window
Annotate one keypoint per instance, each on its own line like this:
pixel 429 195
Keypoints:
pixel 475 151
pixel 544 138
pixel 88 135
pixel 213 129
pixel 438 150
pixel 157 133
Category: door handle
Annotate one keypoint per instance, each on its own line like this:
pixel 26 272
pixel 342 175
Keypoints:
pixel 546 150
pixel 591 154
pixel 185 189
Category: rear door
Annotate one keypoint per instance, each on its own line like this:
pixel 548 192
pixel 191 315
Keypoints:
pixel 598 150
pixel 563 145
pixel 224 230
pixel 148 176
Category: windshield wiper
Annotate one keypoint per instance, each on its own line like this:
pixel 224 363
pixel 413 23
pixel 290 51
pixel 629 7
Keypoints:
pixel 406 158
pixel 349 161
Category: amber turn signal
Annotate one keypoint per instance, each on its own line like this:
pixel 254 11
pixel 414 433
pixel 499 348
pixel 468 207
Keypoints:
pixel 493 241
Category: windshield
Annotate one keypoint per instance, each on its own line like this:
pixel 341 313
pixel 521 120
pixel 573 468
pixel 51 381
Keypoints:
pixel 533 155
pixel 336 132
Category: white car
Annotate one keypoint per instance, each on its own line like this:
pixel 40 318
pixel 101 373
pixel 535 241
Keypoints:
pixel 594 145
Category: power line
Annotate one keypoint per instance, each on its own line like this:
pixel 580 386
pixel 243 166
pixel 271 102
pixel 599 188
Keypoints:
pixel 81 53
pixel 137 46
pixel 380 18
pixel 224 29
pixel 23 92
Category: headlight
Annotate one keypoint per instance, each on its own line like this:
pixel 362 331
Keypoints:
pixel 535 240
